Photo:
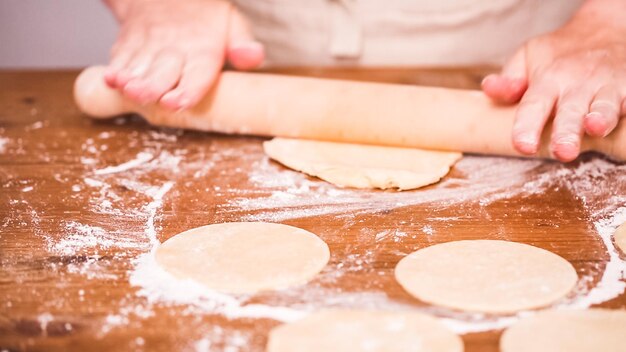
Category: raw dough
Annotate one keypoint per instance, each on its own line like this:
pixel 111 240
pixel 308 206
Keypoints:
pixel 620 237
pixel 244 257
pixel 486 276
pixel 371 331
pixel 362 166
pixel 571 331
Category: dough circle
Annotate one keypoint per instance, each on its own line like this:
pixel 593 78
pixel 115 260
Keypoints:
pixel 488 276
pixel 371 331
pixel 572 331
pixel 362 166
pixel 244 257
pixel 620 237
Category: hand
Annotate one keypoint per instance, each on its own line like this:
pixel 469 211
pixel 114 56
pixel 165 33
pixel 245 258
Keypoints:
pixel 171 51
pixel 577 73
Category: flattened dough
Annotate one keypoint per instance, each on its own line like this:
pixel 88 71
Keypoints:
pixel 244 257
pixel 620 237
pixel 371 331
pixel 486 276
pixel 572 331
pixel 362 166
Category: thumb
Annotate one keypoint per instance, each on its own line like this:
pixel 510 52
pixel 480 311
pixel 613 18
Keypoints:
pixel 509 86
pixel 243 52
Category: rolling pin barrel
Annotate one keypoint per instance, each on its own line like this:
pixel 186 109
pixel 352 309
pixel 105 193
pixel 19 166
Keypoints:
pixel 341 111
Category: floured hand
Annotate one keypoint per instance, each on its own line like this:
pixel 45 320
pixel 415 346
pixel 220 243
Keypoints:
pixel 171 51
pixel 578 72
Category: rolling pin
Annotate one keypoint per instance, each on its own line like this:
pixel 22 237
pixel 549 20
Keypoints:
pixel 340 111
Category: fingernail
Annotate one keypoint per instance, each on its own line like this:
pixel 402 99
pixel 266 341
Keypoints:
pixel 596 125
pixel 566 148
pixel 527 142
pixel 487 78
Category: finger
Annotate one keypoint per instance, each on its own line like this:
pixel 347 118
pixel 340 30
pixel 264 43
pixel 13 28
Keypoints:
pixel 516 67
pixel 243 51
pixel 531 116
pixel 503 89
pixel 163 75
pixel 117 64
pixel 509 86
pixel 604 112
pixel 197 77
pixel 137 67
pixel 567 128
pixel 122 53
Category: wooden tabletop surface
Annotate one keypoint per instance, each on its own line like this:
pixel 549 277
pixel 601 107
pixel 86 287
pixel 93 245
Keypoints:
pixel 82 202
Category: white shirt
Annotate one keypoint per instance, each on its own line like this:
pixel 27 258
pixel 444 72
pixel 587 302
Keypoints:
pixel 399 32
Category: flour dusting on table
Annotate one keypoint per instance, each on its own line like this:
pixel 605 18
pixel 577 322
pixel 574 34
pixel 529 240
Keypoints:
pixel 135 195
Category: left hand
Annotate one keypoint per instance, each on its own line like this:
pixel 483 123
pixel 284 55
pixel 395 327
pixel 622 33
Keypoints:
pixel 578 73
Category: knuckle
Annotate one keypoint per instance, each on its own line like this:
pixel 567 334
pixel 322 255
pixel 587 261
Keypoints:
pixel 571 108
pixel 532 104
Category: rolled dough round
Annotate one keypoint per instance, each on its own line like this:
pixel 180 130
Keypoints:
pixel 620 237
pixel 244 257
pixel 371 331
pixel 362 166
pixel 486 276
pixel 572 331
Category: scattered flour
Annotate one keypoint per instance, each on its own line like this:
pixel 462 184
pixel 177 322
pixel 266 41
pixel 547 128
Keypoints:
pixel 427 229
pixel 607 211
pixel 294 195
pixel 612 282
pixel 3 143
pixel 141 158
pixel 152 208
pixel 277 195
pixel 159 286
pixel 80 237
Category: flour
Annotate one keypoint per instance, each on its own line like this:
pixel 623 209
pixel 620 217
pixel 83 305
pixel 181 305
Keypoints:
pixel 154 175
pixel 231 341
pixel 80 237
pixel 612 282
pixel 3 144
pixel 427 229
pixel 607 211
pixel 294 195
pixel 151 209
pixel 44 319
pixel 291 195
pixel 160 286
pixel 142 157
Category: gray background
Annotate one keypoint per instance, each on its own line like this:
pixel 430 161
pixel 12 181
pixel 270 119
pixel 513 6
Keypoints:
pixel 54 33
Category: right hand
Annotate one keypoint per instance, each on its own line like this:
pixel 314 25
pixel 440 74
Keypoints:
pixel 171 52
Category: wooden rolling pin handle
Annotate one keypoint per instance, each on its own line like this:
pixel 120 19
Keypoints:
pixel 97 100
pixel 342 111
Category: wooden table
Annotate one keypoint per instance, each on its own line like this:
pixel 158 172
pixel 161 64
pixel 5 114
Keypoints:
pixel 81 199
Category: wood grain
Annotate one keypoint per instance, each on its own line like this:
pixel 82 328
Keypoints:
pixel 81 299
